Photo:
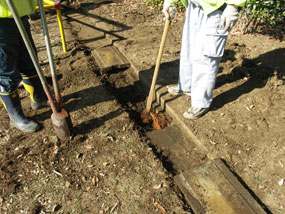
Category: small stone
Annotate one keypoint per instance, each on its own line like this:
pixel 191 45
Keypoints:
pixel 89 147
pixel 158 186
pixel 56 208
pixel 93 181
pixel 79 155
pixel 281 182
pixel 67 184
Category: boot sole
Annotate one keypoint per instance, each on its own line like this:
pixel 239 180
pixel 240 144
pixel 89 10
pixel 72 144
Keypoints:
pixel 26 131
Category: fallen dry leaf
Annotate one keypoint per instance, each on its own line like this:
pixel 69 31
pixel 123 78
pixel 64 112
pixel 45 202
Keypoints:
pixel 161 208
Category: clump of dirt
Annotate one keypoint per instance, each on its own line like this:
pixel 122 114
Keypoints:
pixel 158 120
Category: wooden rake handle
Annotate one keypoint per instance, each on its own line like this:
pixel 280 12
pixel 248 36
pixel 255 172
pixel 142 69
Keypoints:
pixel 155 74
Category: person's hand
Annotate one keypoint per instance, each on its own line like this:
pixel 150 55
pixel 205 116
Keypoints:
pixel 229 17
pixel 169 9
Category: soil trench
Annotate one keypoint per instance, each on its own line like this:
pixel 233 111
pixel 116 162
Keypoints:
pixel 173 147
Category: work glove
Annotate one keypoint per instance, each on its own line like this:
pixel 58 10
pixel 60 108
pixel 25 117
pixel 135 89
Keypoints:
pixel 169 9
pixel 229 17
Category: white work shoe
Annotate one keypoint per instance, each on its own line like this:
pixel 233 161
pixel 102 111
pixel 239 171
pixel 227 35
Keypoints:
pixel 174 90
pixel 195 113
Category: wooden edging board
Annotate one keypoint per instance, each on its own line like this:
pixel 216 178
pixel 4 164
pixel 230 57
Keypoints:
pixel 109 57
pixel 213 189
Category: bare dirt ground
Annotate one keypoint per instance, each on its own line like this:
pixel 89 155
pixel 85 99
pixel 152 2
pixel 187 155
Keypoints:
pixel 111 166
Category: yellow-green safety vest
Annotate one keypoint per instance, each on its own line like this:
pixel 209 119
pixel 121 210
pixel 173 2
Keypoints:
pixel 210 6
pixel 23 7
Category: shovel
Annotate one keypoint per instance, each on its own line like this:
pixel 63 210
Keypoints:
pixel 58 118
pixel 58 98
pixel 160 121
pixel 155 74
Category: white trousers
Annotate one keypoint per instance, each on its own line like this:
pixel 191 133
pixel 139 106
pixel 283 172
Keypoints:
pixel 203 43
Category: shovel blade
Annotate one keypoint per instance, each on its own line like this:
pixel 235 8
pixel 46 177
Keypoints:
pixel 59 121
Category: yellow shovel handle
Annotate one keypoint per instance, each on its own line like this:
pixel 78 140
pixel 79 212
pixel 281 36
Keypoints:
pixel 58 13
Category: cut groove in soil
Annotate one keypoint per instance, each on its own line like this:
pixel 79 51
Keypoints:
pixel 131 98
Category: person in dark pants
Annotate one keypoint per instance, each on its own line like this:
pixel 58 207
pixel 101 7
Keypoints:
pixel 16 66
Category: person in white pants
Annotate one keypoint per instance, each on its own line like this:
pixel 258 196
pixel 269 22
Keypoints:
pixel 204 37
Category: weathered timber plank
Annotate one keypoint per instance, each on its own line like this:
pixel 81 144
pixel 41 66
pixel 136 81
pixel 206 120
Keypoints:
pixel 213 189
pixel 109 57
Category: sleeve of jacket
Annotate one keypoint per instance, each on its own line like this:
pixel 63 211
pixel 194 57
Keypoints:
pixel 239 3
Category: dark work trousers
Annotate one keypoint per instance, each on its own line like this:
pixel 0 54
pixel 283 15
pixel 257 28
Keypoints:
pixel 15 61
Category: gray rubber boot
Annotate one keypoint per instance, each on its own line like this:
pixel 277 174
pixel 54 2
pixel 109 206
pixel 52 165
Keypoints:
pixel 38 104
pixel 13 106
